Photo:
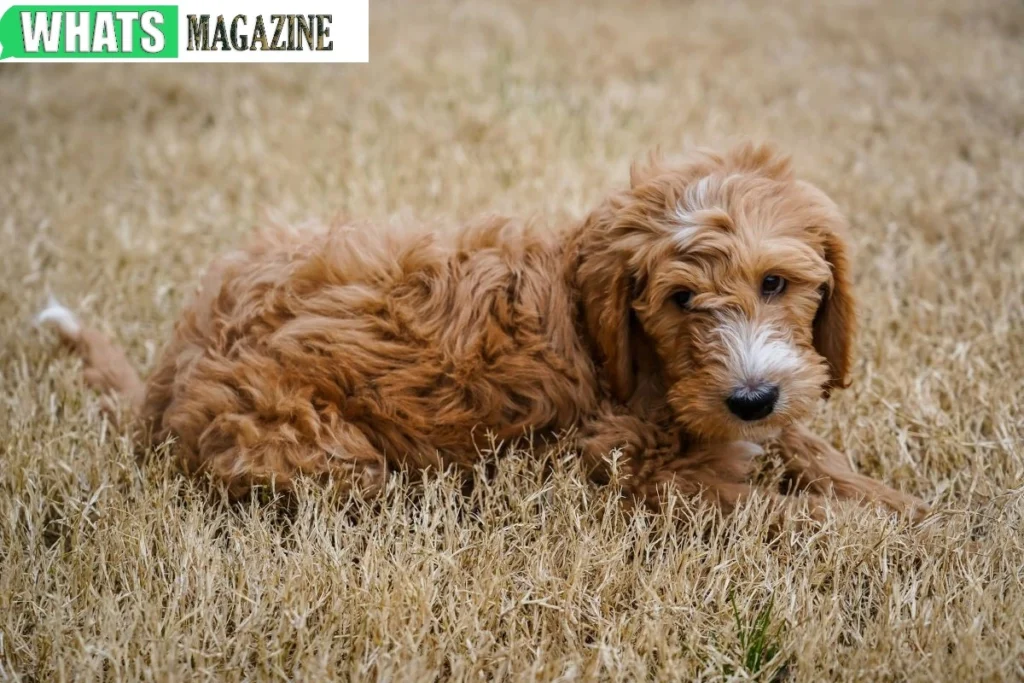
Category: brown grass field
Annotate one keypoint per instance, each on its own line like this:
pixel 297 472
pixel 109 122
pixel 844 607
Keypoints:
pixel 118 183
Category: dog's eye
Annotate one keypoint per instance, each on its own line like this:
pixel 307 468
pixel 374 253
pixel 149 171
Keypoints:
pixel 683 298
pixel 772 285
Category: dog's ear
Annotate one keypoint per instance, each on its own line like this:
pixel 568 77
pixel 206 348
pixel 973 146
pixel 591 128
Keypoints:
pixel 836 317
pixel 614 336
pixel 606 291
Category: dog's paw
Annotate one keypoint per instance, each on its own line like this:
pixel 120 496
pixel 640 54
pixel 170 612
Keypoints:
pixel 735 460
pixel 747 450
pixel 904 504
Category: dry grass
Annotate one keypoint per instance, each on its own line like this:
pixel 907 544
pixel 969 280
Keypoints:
pixel 119 183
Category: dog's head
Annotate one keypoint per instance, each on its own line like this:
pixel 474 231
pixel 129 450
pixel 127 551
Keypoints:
pixel 722 285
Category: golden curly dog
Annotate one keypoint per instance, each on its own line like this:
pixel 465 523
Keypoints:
pixel 690 317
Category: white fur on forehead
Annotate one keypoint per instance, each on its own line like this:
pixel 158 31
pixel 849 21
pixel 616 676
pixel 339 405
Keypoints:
pixel 698 194
pixel 701 202
pixel 686 231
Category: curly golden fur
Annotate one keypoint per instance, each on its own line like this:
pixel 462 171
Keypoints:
pixel 686 320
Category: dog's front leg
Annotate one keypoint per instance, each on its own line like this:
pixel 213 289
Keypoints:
pixel 813 465
pixel 657 462
pixel 718 474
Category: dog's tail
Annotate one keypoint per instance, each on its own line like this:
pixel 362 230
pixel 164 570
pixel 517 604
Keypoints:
pixel 106 368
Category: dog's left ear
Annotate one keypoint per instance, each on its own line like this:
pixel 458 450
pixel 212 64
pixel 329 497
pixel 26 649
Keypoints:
pixel 836 317
pixel 614 335
pixel 606 291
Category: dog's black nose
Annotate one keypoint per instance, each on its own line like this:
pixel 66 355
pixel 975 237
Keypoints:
pixel 753 404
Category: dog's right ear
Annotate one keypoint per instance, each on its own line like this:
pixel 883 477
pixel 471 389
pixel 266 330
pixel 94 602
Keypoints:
pixel 606 291
pixel 835 319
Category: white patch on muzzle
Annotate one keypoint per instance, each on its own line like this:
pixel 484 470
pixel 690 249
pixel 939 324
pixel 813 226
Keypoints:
pixel 756 352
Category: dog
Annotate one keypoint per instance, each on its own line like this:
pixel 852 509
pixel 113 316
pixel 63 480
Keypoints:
pixel 688 320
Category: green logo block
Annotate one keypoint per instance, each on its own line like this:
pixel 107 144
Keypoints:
pixel 90 32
